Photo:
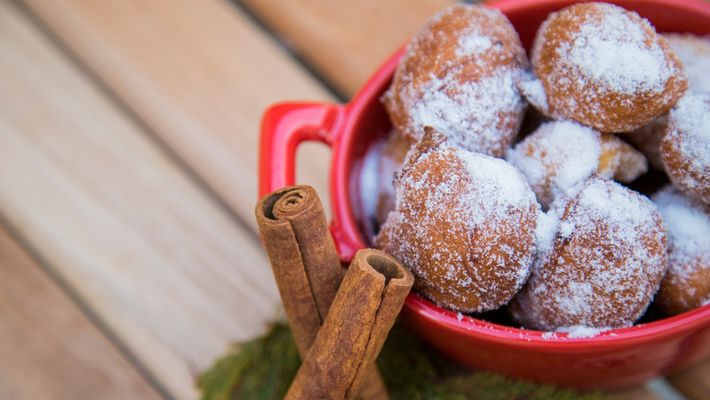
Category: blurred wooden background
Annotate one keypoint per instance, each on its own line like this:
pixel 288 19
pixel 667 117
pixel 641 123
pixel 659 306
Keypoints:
pixel 128 151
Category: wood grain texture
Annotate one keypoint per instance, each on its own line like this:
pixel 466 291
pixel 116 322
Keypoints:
pixel 48 347
pixel 345 41
pixel 166 269
pixel 693 382
pixel 199 73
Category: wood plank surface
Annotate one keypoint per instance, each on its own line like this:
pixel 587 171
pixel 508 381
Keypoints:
pixel 345 41
pixel 156 259
pixel 199 73
pixel 48 347
pixel 693 382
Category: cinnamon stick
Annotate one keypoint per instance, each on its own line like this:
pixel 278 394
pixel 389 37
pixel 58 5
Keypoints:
pixel 303 258
pixel 305 264
pixel 362 314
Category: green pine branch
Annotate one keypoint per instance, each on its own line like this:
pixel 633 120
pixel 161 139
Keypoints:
pixel 264 367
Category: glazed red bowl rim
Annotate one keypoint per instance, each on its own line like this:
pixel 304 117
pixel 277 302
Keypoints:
pixel 471 326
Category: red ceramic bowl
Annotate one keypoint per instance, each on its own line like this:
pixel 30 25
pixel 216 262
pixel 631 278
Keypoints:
pixel 616 358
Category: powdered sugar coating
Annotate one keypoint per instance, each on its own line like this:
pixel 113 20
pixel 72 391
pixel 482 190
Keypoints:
pixel 464 223
pixel 605 67
pixel 575 332
pixel 688 230
pixel 548 225
pixel 582 332
pixel 605 263
pixel 687 282
pixel 613 52
pixel 473 43
pixel 496 178
pixel 561 154
pixel 555 157
pixel 458 75
pixel 685 149
pixel 533 91
pixel 549 336
pixel 694 53
pixel 468 113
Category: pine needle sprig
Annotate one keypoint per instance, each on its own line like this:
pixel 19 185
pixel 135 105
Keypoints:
pixel 264 367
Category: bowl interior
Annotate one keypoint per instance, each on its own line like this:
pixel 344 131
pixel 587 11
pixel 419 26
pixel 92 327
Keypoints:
pixel 369 123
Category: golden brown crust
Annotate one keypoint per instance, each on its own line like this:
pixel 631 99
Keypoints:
pixel 685 149
pixel 619 160
pixel 694 53
pixel 599 266
pixel 686 285
pixel 458 75
pixel 467 237
pixel 605 67
pixel 679 295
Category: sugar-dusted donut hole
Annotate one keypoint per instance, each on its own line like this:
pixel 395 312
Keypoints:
pixel 458 75
pixel 601 257
pixel 561 154
pixel 604 67
pixel 686 285
pixel 685 148
pixel 694 53
pixel 464 223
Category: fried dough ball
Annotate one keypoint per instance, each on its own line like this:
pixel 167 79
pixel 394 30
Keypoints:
pixel 458 75
pixel 604 67
pixel 464 223
pixel 685 149
pixel 561 154
pixel 687 282
pixel 601 257
pixel 694 53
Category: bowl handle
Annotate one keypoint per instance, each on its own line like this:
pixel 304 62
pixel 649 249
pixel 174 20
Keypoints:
pixel 283 127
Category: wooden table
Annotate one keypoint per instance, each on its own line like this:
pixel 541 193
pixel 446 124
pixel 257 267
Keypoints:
pixel 128 137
